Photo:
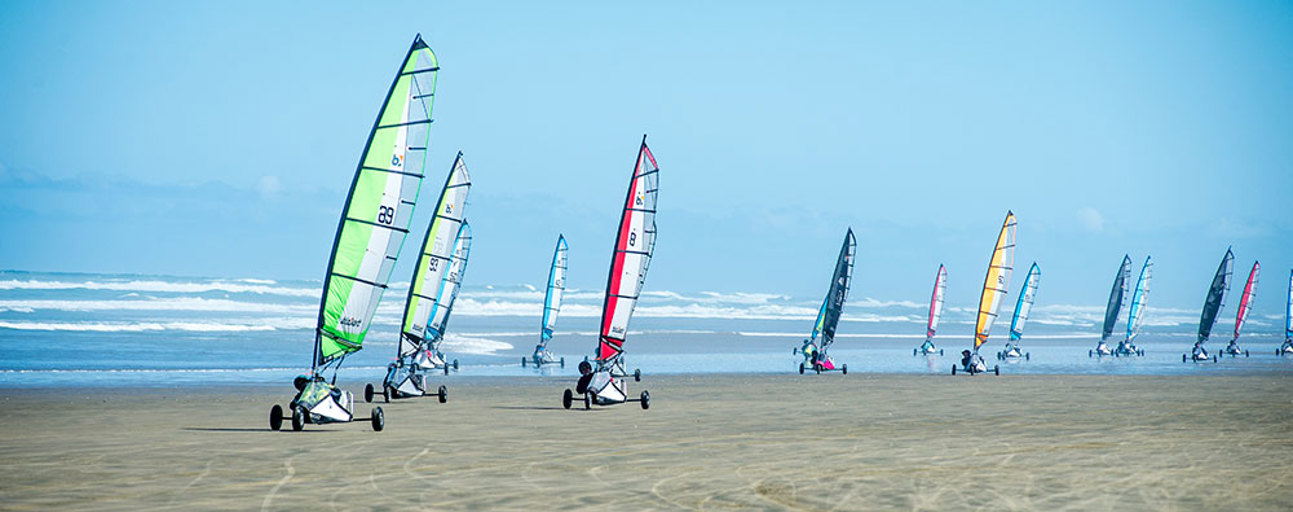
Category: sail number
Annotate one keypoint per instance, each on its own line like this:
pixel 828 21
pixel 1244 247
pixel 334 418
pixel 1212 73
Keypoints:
pixel 385 215
pixel 633 238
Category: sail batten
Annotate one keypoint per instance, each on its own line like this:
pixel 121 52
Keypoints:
pixel 436 259
pixel 996 282
pixel 634 244
pixel 1116 298
pixel 1216 296
pixel 379 208
pixel 1136 314
pixel 1028 292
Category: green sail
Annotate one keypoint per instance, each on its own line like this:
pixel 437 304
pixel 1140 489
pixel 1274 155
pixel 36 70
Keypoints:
pixel 378 211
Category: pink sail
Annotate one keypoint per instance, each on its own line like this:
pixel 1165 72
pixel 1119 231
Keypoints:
pixel 1246 300
pixel 634 242
pixel 936 302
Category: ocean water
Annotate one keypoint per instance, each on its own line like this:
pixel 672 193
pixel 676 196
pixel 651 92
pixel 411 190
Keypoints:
pixel 59 329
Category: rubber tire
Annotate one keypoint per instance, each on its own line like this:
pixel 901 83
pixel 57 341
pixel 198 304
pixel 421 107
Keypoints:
pixel 913 352
pixel 801 368
pixel 588 402
pixel 446 368
pixel 1214 358
pixel 455 365
pixel 845 369
pixel 1090 353
pixel 523 362
pixel 387 391
pixel 940 351
pixel 1245 352
pixel 563 362
pixel 368 393
pixel 953 369
pixel 817 368
pixel 276 417
pixel 1028 356
pixel 298 419
pixel 567 398
pixel 996 370
pixel 645 400
pixel 378 419
pixel 637 375
pixel 444 394
pixel 1182 358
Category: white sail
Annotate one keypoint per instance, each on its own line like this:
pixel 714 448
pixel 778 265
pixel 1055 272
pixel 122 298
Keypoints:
pixel 426 292
pixel 556 288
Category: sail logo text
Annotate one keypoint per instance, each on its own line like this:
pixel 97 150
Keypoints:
pixel 350 321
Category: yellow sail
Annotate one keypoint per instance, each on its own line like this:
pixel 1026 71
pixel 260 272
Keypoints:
pixel 997 281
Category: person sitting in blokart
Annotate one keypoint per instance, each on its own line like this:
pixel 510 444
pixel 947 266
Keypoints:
pixel 1233 348
pixel 1199 353
pixel 1287 347
pixel 1102 349
pixel 809 351
pixel 928 347
pixel 1011 350
pixel 1127 348
pixel 973 362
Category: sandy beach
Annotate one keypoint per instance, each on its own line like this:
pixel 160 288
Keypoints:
pixel 828 442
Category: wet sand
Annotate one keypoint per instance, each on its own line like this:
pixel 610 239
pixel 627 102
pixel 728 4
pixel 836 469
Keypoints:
pixel 828 442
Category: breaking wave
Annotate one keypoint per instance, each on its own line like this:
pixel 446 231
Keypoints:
pixel 239 286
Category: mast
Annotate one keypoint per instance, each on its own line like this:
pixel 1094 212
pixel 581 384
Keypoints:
pixel 634 243
pixel 1136 316
pixel 556 288
pixel 378 209
pixel 426 290
pixel 1025 303
pixel 1288 313
pixel 1216 295
pixel 996 282
pixel 936 302
pixel 1246 300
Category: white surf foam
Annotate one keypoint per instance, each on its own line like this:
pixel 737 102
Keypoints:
pixel 160 286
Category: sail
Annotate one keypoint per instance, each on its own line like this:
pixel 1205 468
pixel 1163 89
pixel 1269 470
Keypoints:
pixel 556 287
pixel 1116 296
pixel 426 289
pixel 634 241
pixel 997 282
pixel 1288 314
pixel 1246 300
pixel 1136 315
pixel 451 284
pixel 1025 303
pixel 1216 295
pixel 829 315
pixel 379 208
pixel 936 302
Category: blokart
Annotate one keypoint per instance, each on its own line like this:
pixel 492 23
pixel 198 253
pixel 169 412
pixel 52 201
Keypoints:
pixel 542 357
pixel 928 349
pixel 823 363
pixel 1012 352
pixel 319 402
pixel 1233 349
pixel 1285 349
pixel 974 364
pixel 603 387
pixel 1127 348
pixel 408 378
pixel 1101 349
pixel 1198 355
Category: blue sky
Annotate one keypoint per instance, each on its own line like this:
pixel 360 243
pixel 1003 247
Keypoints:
pixel 218 139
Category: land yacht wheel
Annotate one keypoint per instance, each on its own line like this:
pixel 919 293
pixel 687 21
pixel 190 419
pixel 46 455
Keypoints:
pixel 298 419
pixel 645 400
pixel 275 417
pixel 443 395
pixel 368 393
pixel 567 399
pixel 378 419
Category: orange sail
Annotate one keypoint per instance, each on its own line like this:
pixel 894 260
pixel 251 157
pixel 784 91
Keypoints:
pixel 997 281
